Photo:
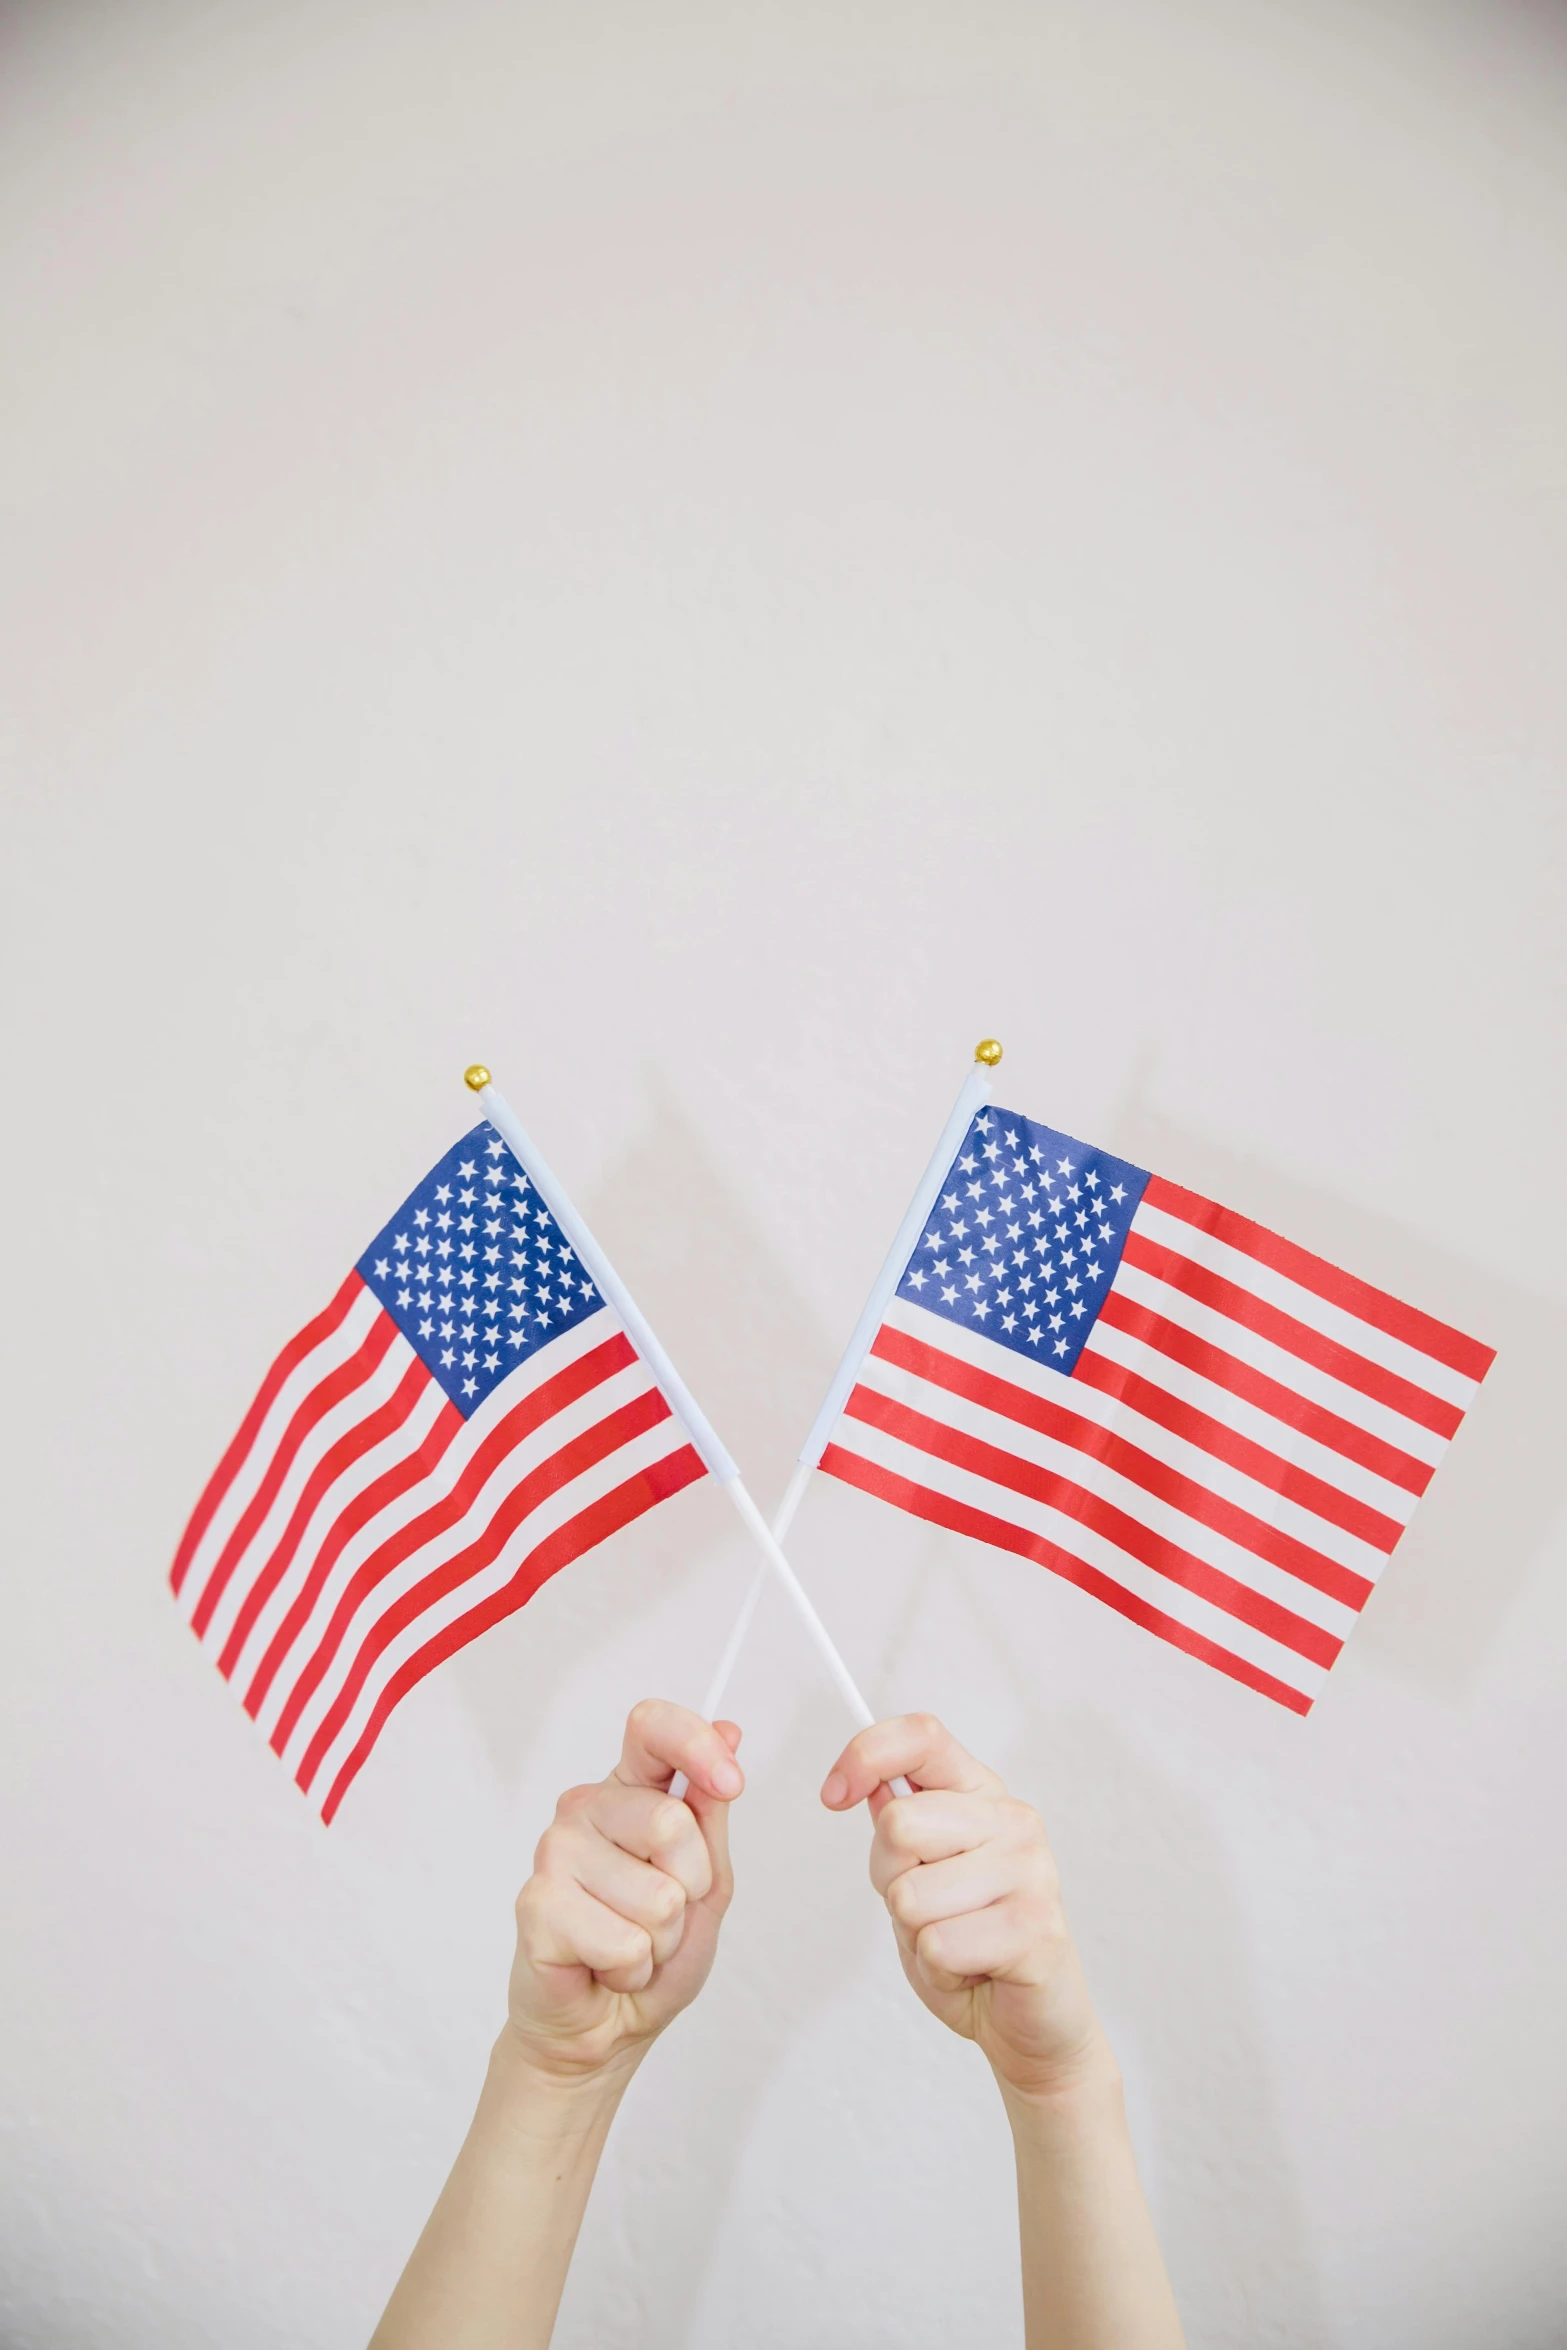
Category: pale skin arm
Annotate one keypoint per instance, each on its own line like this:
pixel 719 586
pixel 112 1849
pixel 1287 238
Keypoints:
pixel 616 1931
pixel 969 1882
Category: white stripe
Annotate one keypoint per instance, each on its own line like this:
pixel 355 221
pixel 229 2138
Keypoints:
pixel 399 1445
pixel 1092 1474
pixel 1276 1436
pixel 540 1445
pixel 1362 1411
pixel 345 1414
pixel 1104 1411
pixel 301 1383
pixel 1171 1599
pixel 655 1444
pixel 1411 1363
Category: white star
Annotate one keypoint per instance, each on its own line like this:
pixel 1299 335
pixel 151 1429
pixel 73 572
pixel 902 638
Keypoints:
pixel 427 1329
pixel 980 1308
pixel 1010 1322
pixel 973 1281
pixel 1055 1322
pixel 447 1358
pixel 1060 1346
pixel 421 1217
pixel 400 1243
pixel 1119 1193
pixel 1033 1336
pixel 1091 1178
pixel 950 1202
pixel 465 1166
pixel 1063 1167
pixel 949 1297
pixel 470 1387
pixel 1030 1309
pixel 405 1298
pixel 916 1279
pixel 443 1192
pixel 381 1268
pixel 492 1362
pixel 1078 1309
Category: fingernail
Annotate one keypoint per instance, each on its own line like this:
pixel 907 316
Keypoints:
pixel 726 1779
pixel 835 1788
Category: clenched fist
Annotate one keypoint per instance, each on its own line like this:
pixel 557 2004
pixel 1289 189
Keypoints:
pixel 969 1881
pixel 617 1926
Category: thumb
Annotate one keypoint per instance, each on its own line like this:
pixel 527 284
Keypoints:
pixel 712 1817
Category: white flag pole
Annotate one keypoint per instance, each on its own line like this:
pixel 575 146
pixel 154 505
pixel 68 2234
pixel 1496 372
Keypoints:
pixel 974 1091
pixel 675 1391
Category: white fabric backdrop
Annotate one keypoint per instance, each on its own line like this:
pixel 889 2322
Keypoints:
pixel 711 556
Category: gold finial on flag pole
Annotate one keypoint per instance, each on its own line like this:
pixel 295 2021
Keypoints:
pixel 987 1051
pixel 479 1077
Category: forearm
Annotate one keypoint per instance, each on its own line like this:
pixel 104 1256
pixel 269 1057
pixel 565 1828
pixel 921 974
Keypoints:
pixel 1093 2275
pixel 488 2271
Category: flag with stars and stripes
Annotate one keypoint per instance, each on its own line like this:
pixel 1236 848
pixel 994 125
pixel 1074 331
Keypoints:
pixel 1212 1430
pixel 464 1419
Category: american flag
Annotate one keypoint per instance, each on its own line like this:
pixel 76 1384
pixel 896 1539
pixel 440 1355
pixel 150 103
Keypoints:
pixel 1213 1431
pixel 464 1419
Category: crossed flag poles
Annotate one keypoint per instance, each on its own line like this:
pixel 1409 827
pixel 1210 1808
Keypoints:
pixel 1196 1421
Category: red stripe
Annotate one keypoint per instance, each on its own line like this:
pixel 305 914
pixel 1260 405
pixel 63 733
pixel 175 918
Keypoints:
pixel 1421 1331
pixel 1238 1452
pixel 581 1533
pixel 351 1446
pixel 940 1511
pixel 412 1470
pixel 1297 1338
pixel 312 1335
pixel 1255 1387
pixel 313 1408
pixel 577 1379
pixel 1068 1426
pixel 1102 1517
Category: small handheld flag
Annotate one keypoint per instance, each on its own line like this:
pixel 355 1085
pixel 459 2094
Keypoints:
pixel 1217 1433
pixel 466 1417
pixel 480 1404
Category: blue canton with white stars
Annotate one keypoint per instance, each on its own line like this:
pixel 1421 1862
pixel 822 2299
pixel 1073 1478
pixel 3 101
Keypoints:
pixel 475 1271
pixel 1025 1237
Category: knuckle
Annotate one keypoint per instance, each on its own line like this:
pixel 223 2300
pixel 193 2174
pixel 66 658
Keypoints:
pixel 903 1898
pixel 667 1822
pixel 643 1715
pixel 927 1725
pixel 550 1851
pixel 896 1828
pixel 574 1802
pixel 669 1899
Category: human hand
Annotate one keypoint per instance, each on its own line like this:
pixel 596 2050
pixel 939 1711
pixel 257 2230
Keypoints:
pixel 617 1926
pixel 969 1881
